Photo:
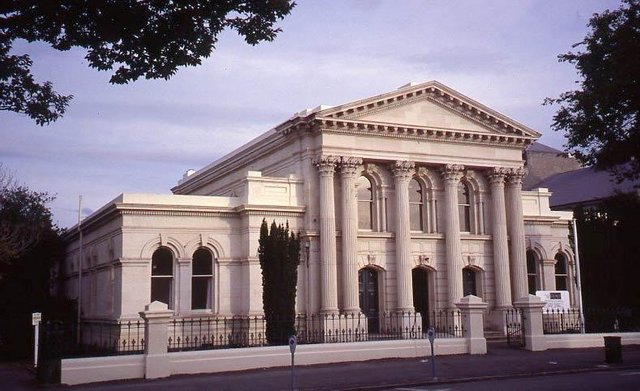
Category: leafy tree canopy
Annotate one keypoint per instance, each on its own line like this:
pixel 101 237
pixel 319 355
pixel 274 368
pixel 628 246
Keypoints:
pixel 601 118
pixel 150 39
pixel 24 216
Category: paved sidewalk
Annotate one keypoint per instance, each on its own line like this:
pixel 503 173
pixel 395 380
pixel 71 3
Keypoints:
pixel 500 362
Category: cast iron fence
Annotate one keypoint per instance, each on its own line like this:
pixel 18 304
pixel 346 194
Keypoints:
pixel 243 331
pixel 64 340
pixel 595 320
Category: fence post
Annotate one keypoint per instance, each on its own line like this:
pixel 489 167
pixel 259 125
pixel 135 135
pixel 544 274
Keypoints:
pixel 472 308
pixel 156 320
pixel 531 307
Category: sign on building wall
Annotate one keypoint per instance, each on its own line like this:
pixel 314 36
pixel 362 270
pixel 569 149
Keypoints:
pixel 554 300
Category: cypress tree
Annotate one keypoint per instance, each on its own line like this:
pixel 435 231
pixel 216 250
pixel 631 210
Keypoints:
pixel 279 254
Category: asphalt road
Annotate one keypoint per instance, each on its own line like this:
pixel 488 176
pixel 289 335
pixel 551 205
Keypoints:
pixel 627 380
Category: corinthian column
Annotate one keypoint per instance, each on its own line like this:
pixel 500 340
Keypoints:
pixel 451 175
pixel 328 273
pixel 402 172
pixel 500 244
pixel 350 303
pixel 516 233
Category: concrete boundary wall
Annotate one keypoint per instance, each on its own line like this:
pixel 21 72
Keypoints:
pixel 98 369
pixel 568 341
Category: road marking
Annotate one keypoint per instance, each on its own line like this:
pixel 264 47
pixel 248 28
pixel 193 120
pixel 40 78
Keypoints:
pixel 630 374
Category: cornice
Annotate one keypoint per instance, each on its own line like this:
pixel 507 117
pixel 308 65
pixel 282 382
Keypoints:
pixel 390 130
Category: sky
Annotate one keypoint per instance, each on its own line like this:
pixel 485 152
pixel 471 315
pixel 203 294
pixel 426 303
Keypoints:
pixel 142 137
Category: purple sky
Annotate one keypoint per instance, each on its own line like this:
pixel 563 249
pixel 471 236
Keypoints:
pixel 141 137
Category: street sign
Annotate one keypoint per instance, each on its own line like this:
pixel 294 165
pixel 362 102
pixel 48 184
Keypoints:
pixel 292 343
pixel 36 318
pixel 431 334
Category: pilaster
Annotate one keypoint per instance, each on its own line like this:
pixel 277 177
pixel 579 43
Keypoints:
pixel 451 175
pixel 402 172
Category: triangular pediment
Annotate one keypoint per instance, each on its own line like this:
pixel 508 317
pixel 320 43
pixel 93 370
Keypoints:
pixel 422 113
pixel 429 105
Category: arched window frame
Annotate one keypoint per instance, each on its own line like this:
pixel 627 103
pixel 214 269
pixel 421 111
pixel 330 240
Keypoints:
pixel 533 275
pixel 162 283
pixel 561 272
pixel 373 203
pixel 477 220
pixel 202 281
pixel 417 215
pixel 465 206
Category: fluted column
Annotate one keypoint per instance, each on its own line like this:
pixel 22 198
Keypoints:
pixel 500 245
pixel 451 175
pixel 350 302
pixel 516 233
pixel 402 172
pixel 328 273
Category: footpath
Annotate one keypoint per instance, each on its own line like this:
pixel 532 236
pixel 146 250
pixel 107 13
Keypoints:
pixel 500 362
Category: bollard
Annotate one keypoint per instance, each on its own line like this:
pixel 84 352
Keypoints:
pixel 613 350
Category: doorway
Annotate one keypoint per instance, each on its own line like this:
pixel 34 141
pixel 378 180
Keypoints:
pixel 469 286
pixel 368 295
pixel 420 284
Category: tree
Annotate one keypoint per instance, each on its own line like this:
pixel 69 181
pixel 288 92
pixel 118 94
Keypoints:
pixel 30 245
pixel 279 254
pixel 23 217
pixel 134 38
pixel 609 247
pixel 602 118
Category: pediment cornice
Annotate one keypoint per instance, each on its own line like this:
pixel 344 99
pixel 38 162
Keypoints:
pixel 348 118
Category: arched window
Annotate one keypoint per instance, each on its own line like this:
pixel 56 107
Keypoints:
pixel 162 276
pixel 532 274
pixel 561 272
pixel 416 204
pixel 365 203
pixel 201 279
pixel 464 207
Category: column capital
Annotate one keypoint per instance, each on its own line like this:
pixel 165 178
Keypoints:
pixel 348 165
pixel 496 175
pixel 452 172
pixel 515 175
pixel 326 164
pixel 402 169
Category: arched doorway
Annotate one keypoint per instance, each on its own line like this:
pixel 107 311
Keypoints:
pixel 368 295
pixel 420 280
pixel 469 286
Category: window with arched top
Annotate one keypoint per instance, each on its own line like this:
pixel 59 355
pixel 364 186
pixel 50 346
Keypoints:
pixel 561 272
pixel 416 205
pixel 365 203
pixel 532 272
pixel 464 207
pixel 162 276
pixel 201 279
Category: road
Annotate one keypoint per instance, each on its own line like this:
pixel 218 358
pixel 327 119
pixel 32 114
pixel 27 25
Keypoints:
pixel 628 380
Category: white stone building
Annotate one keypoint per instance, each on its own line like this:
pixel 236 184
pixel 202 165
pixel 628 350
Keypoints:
pixel 405 201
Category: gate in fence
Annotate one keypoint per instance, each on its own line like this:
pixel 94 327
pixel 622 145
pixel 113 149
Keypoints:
pixel 515 328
